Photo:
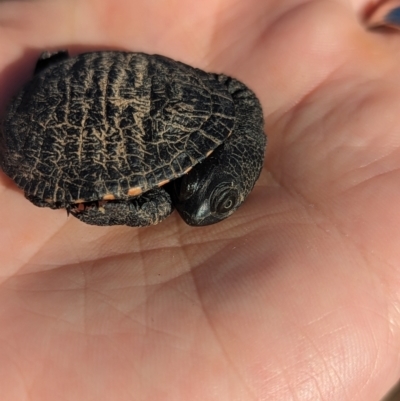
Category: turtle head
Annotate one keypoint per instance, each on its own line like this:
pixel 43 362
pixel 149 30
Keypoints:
pixel 217 186
pixel 209 193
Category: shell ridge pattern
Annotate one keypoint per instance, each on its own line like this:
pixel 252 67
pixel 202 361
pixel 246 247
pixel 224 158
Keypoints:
pixel 114 122
pixel 36 187
pixel 122 78
pixel 134 131
pixel 106 70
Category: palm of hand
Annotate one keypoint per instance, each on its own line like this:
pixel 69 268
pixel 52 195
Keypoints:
pixel 293 297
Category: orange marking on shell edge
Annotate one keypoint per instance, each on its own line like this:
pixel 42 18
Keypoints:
pixel 80 201
pixel 163 183
pixel 81 207
pixel 107 197
pixel 187 170
pixel 209 152
pixel 135 191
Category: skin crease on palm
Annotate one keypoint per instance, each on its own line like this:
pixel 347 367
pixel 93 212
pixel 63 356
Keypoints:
pixel 295 297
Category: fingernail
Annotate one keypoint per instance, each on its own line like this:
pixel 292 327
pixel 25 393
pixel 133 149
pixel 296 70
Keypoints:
pixel 393 17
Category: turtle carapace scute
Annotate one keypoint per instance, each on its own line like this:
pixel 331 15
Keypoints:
pixel 119 138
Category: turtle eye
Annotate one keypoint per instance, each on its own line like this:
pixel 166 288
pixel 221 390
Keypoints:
pixel 224 198
pixel 188 185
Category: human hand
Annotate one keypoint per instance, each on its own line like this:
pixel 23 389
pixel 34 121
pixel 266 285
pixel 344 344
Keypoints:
pixel 294 297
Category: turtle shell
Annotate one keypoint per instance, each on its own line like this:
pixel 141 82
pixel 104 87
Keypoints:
pixel 112 125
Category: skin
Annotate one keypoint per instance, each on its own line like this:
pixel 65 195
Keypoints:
pixel 294 297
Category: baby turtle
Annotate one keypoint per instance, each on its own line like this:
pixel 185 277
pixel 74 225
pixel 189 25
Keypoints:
pixel 122 138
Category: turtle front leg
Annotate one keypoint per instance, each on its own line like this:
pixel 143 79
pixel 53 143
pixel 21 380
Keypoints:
pixel 150 208
pixel 47 59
